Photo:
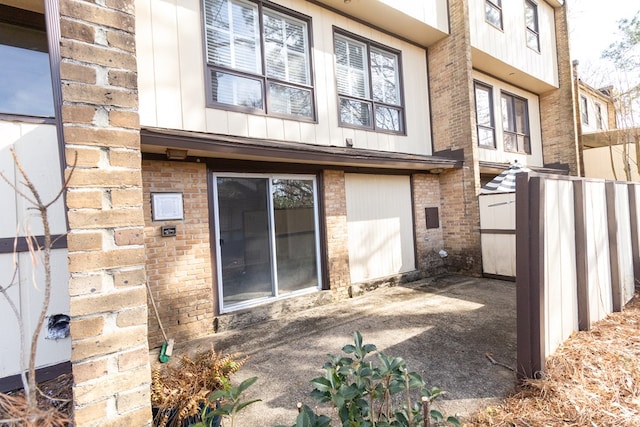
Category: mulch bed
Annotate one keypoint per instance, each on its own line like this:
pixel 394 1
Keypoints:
pixel 592 380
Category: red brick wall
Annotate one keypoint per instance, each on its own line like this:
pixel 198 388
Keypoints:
pixel 426 194
pixel 559 127
pixel 335 217
pixel 179 268
pixel 454 124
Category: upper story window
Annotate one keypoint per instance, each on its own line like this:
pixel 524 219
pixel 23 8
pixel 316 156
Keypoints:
pixel 584 110
pixel 25 74
pixel 531 19
pixel 493 12
pixel 484 115
pixel 369 87
pixel 515 124
pixel 258 58
pixel 598 116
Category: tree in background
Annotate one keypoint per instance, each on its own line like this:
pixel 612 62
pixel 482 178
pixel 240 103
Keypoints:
pixel 624 55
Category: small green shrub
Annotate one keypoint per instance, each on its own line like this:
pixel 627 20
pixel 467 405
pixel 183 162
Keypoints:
pixel 365 394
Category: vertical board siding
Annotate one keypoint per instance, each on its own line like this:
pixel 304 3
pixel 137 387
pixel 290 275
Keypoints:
pixel 499 43
pixel 498 212
pixel 599 277
pixel 37 148
pixel 561 309
pixel 583 270
pixel 172 78
pixel 380 226
pixel 625 255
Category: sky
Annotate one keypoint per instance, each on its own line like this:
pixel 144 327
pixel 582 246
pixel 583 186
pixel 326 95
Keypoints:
pixel 593 25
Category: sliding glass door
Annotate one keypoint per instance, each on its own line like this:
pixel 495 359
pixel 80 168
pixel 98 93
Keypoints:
pixel 267 234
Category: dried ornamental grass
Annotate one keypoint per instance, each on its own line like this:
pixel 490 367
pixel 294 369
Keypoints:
pixel 185 386
pixel 592 380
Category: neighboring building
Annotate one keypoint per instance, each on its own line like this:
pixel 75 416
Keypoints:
pixel 608 150
pixel 239 152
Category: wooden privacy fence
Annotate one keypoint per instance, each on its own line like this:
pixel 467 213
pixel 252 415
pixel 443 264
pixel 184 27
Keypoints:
pixel 577 258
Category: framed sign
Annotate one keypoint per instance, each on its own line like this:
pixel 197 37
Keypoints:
pixel 166 206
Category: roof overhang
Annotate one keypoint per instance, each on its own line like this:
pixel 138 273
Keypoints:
pixel 399 18
pixel 198 144
pixel 610 137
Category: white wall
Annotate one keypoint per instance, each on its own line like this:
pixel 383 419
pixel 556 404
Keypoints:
pixel 37 149
pixel 380 226
pixel 560 281
pixel 498 212
pixel 597 247
pixel 597 162
pixel 505 53
pixel 498 155
pixel 171 78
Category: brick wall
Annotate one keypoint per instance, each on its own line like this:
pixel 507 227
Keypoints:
pixel 426 194
pixel 104 200
pixel 179 268
pixel 559 132
pixel 454 122
pixel 335 217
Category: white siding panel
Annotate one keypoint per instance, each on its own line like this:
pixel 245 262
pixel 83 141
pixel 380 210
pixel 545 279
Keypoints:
pixel 625 252
pixel 597 239
pixel 173 90
pixel 37 150
pixel 561 311
pixel 257 126
pixel 380 226
pixel 499 44
pixel 498 211
pixel 217 121
pixel 166 52
pixel 145 64
pixel 499 254
pixel 50 352
pixel 9 133
pixel 9 352
pixel 192 83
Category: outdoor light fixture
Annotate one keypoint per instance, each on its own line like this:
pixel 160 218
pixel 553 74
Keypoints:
pixel 176 154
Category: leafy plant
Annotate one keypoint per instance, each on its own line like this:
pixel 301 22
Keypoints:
pixel 227 403
pixel 181 390
pixel 365 394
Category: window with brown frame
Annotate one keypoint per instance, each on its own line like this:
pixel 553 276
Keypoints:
pixel 369 86
pixel 258 58
pixel 493 12
pixel 515 124
pixel 25 74
pixel 484 115
pixel 531 20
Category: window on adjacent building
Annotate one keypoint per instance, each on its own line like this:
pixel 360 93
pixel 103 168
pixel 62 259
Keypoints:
pixel 531 19
pixel 493 12
pixel 369 88
pixel 25 74
pixel 584 110
pixel 515 124
pixel 598 116
pixel 484 115
pixel 258 58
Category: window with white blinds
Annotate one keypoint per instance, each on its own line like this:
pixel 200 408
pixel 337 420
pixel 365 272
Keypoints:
pixel 368 81
pixel 258 58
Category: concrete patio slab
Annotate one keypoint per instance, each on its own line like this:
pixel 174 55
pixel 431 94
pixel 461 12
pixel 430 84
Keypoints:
pixel 443 327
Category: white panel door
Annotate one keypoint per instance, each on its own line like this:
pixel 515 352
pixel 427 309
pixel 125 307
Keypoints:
pixel 380 226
